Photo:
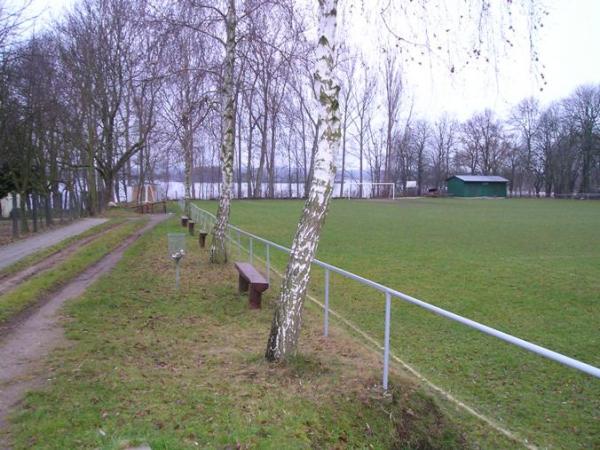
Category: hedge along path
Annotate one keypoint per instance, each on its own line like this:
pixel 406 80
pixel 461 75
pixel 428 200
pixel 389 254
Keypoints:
pixel 24 347
pixel 11 281
pixel 434 387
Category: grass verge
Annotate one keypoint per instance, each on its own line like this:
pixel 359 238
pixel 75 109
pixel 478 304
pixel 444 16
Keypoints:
pixel 32 290
pixel 527 267
pixel 185 369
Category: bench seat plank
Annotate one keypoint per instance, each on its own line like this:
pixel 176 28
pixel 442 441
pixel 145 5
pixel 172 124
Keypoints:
pixel 253 281
pixel 252 275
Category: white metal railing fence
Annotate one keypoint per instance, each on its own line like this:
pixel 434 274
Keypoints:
pixel 206 219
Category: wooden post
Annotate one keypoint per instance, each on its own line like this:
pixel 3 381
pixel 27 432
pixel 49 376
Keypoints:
pixel 184 221
pixel 202 238
pixel 242 285
pixel 191 224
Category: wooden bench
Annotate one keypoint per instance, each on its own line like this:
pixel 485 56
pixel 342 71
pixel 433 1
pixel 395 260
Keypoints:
pixel 253 281
pixel 184 221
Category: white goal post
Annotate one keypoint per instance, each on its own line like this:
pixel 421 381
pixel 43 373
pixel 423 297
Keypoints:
pixel 369 189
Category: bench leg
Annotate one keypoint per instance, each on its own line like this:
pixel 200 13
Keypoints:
pixel 254 298
pixel 202 239
pixel 242 284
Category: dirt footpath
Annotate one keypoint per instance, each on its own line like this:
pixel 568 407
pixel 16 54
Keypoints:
pixel 11 253
pixel 9 282
pixel 26 343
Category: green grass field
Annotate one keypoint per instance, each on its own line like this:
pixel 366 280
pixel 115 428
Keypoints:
pixel 185 370
pixel 527 267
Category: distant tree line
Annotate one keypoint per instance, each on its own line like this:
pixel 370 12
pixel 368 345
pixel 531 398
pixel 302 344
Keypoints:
pixel 119 93
pixel 549 151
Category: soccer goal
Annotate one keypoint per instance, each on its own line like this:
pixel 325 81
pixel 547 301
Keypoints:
pixel 372 190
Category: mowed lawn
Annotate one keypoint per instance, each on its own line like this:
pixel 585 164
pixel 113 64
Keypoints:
pixel 527 267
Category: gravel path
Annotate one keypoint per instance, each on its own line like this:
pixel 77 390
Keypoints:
pixel 24 347
pixel 11 253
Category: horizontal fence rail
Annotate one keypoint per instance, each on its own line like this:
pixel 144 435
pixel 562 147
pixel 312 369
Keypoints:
pixel 206 218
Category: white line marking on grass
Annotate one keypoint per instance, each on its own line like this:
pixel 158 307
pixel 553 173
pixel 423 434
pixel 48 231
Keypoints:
pixel 447 395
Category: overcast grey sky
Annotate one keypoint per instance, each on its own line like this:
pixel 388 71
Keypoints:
pixel 569 48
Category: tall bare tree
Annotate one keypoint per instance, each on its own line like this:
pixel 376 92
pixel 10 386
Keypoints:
pixel 348 69
pixel 444 141
pixel 393 95
pixel 364 96
pixel 583 110
pixel 187 94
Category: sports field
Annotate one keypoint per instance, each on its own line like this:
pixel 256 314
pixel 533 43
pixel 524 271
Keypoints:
pixel 527 267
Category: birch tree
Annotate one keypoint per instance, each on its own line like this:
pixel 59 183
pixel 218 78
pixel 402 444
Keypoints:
pixel 218 250
pixel 287 320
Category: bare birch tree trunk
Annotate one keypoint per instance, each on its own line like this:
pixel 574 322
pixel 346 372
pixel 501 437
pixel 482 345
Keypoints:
pixel 218 249
pixel 187 150
pixel 287 320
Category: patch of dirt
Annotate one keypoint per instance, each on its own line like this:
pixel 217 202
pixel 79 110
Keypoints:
pixel 421 425
pixel 30 338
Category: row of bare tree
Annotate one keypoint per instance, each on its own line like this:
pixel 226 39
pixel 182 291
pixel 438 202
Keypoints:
pixel 551 150
pixel 120 93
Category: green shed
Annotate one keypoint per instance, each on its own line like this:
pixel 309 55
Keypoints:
pixel 477 186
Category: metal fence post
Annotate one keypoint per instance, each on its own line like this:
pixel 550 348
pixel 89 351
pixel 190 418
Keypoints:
pixel 268 264
pixel 386 343
pixel 326 312
pixel 250 250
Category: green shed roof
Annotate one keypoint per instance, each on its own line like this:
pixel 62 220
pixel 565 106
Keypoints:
pixel 480 178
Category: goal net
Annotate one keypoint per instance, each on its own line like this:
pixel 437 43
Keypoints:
pixel 372 190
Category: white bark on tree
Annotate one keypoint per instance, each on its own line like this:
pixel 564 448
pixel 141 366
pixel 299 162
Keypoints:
pixel 188 133
pixel 287 320
pixel 218 248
